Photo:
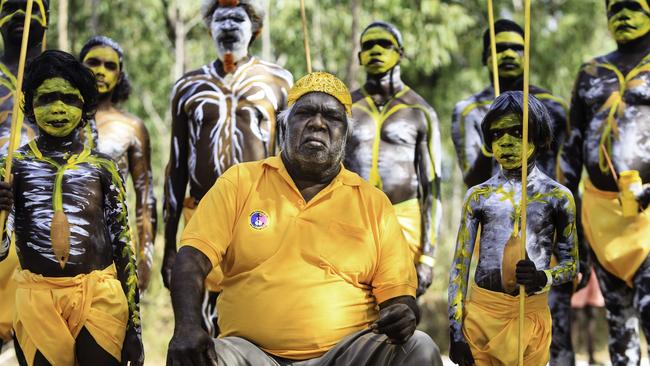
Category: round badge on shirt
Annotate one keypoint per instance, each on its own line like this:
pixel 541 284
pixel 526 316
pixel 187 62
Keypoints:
pixel 259 220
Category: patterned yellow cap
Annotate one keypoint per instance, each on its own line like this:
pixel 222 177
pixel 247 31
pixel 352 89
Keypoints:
pixel 321 82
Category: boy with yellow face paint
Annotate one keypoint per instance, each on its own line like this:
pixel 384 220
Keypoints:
pixel 394 143
pixel 12 18
pixel 484 326
pixel 610 111
pixel 478 165
pixel 125 139
pixel 77 296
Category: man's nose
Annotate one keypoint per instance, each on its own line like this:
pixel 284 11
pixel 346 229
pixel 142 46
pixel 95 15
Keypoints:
pixel 317 123
pixel 58 108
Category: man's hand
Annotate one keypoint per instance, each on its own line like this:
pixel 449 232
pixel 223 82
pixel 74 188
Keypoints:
pixel 6 196
pixel 425 277
pixel 584 273
pixel 167 266
pixel 132 349
pixel 191 347
pixel 460 354
pixel 397 322
pixel 530 277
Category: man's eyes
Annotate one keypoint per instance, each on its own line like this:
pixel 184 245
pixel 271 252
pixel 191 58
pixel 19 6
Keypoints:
pixel 383 43
pixel 631 5
pixel 234 19
pixel 92 62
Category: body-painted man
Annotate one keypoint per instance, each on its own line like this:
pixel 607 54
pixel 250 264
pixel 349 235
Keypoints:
pixel 484 327
pixel 477 165
pixel 395 144
pixel 77 296
pixel 125 139
pixel 610 119
pixel 12 19
pixel 222 114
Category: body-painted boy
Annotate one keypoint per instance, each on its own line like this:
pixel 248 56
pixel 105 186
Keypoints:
pixel 395 144
pixel 478 165
pixel 610 118
pixel 224 113
pixel 77 296
pixel 12 19
pixel 125 139
pixel 484 326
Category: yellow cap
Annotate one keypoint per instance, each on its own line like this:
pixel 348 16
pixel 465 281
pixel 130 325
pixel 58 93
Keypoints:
pixel 321 82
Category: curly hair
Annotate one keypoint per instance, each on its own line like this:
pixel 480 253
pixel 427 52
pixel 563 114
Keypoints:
pixel 59 64
pixel 512 102
pixel 253 8
pixel 122 90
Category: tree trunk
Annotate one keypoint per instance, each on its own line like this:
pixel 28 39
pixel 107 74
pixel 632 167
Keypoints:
pixel 62 26
pixel 179 43
pixel 266 35
pixel 94 17
pixel 353 63
pixel 317 36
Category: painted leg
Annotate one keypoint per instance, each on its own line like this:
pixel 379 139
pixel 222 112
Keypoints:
pixel 559 301
pixel 642 296
pixel 209 311
pixel 39 359
pixel 90 353
pixel 624 348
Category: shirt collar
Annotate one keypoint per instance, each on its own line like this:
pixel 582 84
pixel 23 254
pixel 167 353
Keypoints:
pixel 345 176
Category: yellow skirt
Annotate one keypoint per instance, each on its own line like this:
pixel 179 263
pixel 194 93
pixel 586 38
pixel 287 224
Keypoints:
pixel 621 244
pixel 213 281
pixel 410 219
pixel 491 328
pixel 51 311
pixel 8 292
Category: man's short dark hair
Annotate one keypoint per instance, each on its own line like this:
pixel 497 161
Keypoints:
pixel 59 64
pixel 512 102
pixel 501 25
pixel 122 90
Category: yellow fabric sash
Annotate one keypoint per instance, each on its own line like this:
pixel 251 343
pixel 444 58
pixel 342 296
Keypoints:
pixel 410 219
pixel 491 328
pixel 621 243
pixel 213 281
pixel 8 292
pixel 51 311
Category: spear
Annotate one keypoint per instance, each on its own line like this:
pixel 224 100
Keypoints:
pixel 16 116
pixel 493 50
pixel 524 173
pixel 305 35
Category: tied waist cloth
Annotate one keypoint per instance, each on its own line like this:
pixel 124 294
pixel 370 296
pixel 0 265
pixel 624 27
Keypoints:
pixel 213 281
pixel 51 311
pixel 491 328
pixel 621 244
pixel 410 219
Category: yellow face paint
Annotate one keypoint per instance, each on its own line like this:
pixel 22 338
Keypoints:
pixel 104 62
pixel 628 20
pixel 57 107
pixel 507 144
pixel 510 56
pixel 38 13
pixel 380 51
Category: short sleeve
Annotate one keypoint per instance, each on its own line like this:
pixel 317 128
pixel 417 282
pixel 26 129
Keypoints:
pixel 210 228
pixel 395 274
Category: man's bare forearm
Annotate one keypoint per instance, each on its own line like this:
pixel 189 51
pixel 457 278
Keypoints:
pixel 187 286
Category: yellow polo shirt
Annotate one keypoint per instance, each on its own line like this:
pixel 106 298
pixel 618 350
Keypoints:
pixel 299 277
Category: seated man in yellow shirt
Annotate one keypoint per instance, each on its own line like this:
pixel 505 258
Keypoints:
pixel 308 250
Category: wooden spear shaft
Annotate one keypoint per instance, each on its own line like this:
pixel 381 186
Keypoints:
pixel 16 116
pixel 493 50
pixel 524 174
pixel 305 33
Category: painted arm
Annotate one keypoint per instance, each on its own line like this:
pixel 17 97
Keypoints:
pixel 459 273
pixel 117 222
pixel 566 242
pixel 428 163
pixel 146 216
pixel 176 178
pixel 6 204
pixel 466 135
